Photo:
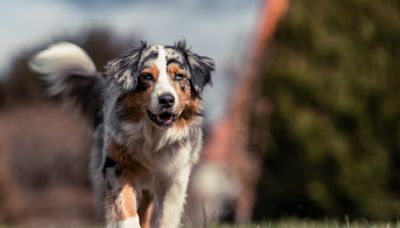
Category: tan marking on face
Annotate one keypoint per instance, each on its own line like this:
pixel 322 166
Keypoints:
pixel 181 87
pixel 189 113
pixel 174 68
pixel 153 70
pixel 136 103
pixel 189 104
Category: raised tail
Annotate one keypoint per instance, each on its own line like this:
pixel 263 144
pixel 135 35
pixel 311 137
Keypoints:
pixel 71 75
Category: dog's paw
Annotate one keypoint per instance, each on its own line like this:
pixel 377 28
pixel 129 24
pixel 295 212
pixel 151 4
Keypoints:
pixel 132 222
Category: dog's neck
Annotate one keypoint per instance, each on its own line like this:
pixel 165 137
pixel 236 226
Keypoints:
pixel 146 139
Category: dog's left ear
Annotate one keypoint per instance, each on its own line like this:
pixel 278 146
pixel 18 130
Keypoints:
pixel 123 69
pixel 201 68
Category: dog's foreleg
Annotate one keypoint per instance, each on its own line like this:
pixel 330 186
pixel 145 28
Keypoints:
pixel 146 208
pixel 170 201
pixel 120 200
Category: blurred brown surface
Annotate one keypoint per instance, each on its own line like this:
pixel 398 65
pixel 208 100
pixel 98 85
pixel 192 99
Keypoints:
pixel 44 149
pixel 44 157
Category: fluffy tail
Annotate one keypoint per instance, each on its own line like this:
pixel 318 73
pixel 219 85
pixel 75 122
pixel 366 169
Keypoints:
pixel 71 75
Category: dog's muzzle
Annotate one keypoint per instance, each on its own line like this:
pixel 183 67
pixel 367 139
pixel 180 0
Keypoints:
pixel 165 116
pixel 164 119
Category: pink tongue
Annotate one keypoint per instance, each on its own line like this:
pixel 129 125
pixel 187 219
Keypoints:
pixel 165 118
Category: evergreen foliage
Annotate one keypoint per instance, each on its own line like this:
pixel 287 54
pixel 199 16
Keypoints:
pixel 333 83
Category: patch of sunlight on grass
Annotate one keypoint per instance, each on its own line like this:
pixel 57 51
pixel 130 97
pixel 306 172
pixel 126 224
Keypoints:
pixel 301 223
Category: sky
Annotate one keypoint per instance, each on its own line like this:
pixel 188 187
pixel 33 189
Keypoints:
pixel 218 29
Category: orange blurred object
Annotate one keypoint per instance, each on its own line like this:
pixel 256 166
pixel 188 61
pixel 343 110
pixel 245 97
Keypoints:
pixel 228 139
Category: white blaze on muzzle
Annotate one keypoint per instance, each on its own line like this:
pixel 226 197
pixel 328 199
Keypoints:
pixel 163 85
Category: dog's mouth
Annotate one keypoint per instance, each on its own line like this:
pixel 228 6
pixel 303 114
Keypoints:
pixel 164 119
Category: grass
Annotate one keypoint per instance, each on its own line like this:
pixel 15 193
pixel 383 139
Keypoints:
pixel 283 223
pixel 297 223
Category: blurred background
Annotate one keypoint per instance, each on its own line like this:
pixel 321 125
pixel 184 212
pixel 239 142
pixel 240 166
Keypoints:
pixel 302 120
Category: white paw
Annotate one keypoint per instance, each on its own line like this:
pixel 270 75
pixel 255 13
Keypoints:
pixel 132 222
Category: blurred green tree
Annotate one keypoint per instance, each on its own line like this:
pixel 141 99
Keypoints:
pixel 333 85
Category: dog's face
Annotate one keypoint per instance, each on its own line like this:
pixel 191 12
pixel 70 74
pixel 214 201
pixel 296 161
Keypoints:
pixel 163 83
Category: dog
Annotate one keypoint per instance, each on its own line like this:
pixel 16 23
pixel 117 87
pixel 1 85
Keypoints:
pixel 146 112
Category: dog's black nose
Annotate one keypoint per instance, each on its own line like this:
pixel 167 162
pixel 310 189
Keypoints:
pixel 166 100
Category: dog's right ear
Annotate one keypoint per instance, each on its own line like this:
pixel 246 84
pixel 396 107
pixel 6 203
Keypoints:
pixel 124 69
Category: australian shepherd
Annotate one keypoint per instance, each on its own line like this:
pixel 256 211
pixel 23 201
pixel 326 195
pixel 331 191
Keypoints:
pixel 146 110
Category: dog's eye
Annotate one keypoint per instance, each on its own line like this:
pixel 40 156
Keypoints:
pixel 179 77
pixel 146 76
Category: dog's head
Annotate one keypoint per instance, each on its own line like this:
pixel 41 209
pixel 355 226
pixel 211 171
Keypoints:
pixel 163 83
